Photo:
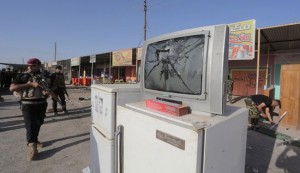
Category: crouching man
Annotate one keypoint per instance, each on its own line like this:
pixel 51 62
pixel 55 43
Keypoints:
pixel 261 106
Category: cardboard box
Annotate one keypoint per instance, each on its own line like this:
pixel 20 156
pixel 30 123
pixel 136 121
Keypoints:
pixel 167 107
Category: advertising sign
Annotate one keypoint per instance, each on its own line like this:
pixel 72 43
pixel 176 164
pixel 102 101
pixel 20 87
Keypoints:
pixel 139 53
pixel 75 61
pixel 242 40
pixel 122 58
pixel 92 58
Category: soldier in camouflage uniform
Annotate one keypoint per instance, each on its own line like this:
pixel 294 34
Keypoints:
pixel 229 86
pixel 253 115
pixel 260 106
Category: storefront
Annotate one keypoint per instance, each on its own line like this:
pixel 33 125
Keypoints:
pixel 124 65
pixel 244 75
pixel 275 71
pixel 75 67
pixel 274 46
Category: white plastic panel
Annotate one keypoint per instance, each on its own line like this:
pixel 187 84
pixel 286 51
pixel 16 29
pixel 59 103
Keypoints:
pixel 103 111
pixel 155 145
pixel 102 152
pixel 225 143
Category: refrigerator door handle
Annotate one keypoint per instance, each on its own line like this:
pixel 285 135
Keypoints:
pixel 118 148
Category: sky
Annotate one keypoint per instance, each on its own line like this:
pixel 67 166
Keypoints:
pixel 30 28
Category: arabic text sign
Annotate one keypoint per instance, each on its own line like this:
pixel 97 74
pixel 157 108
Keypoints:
pixel 242 40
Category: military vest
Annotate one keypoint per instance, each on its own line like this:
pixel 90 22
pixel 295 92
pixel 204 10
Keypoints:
pixel 31 93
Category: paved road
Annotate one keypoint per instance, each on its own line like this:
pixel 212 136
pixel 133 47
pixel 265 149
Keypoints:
pixel 266 154
pixel 66 140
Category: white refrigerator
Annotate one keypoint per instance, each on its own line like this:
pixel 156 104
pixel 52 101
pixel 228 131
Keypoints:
pixel 153 142
pixel 104 99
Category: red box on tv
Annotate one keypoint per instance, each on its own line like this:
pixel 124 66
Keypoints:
pixel 167 107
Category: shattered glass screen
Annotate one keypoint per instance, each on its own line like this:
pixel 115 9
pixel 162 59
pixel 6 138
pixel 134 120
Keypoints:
pixel 175 65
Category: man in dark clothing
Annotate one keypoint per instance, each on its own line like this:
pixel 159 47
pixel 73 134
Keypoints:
pixel 46 74
pixel 57 84
pixel 33 103
pixel 1 98
pixel 261 105
pixel 8 77
pixel 3 78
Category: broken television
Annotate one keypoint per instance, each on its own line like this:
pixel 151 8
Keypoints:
pixel 189 66
pixel 176 65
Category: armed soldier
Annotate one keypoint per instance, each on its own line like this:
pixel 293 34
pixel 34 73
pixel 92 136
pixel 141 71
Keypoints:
pixel 57 84
pixel 1 98
pixel 33 103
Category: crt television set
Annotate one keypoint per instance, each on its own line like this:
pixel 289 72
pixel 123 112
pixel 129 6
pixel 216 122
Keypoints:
pixel 189 66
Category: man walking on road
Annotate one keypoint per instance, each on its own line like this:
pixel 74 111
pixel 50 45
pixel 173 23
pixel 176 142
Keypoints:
pixel 33 103
pixel 1 98
pixel 57 83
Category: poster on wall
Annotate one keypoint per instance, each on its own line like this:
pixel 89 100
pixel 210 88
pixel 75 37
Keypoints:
pixel 122 58
pixel 242 40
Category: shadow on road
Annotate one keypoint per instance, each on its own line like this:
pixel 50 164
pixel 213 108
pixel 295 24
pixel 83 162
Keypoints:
pixel 258 152
pixel 49 143
pixel 49 153
pixel 18 124
pixel 10 117
pixel 7 104
pixel 66 117
pixel 289 159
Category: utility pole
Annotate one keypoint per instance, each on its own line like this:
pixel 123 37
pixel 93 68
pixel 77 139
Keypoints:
pixel 145 19
pixel 55 51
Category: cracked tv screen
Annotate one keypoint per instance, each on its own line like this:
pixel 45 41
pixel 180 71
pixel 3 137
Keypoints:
pixel 175 65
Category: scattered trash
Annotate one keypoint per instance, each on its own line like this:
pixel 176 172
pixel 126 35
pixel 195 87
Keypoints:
pixel 82 98
pixel 281 117
pixel 255 170
pixel 287 141
pixel 249 148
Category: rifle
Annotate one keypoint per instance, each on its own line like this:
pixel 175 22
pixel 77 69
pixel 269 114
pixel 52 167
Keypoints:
pixel 44 85
pixel 67 94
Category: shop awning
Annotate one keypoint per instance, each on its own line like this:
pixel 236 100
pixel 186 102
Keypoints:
pixel 276 38
pixel 281 37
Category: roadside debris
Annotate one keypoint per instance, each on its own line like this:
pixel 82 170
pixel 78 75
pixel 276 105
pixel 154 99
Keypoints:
pixel 84 98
